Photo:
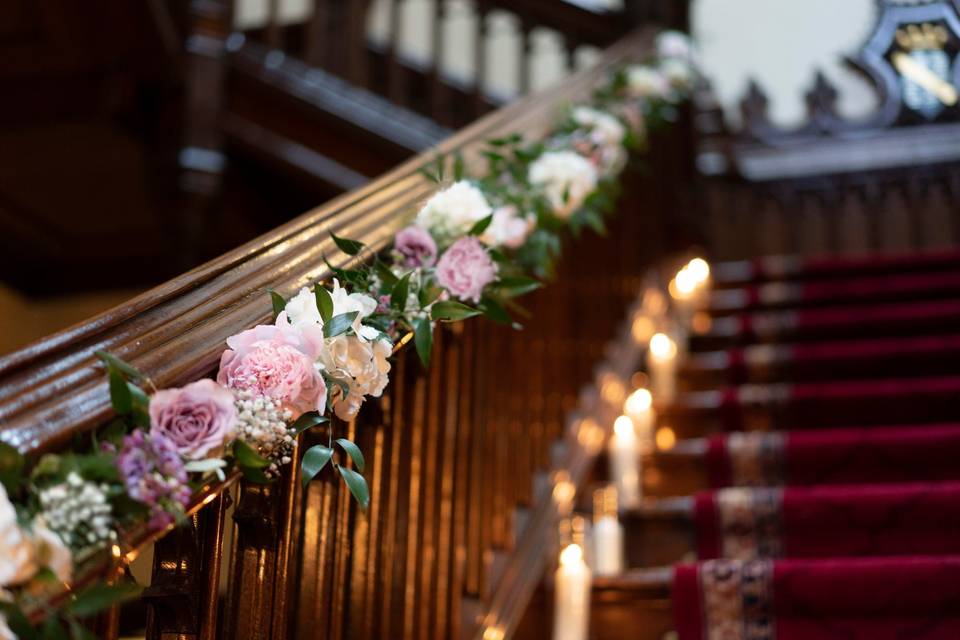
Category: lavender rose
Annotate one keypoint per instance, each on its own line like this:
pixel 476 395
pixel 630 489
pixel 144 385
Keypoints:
pixel 199 419
pixel 417 247
pixel 277 361
pixel 153 473
pixel 465 269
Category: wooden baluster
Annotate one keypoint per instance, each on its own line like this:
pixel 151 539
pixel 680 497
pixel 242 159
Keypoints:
pixel 273 32
pixel 318 29
pixel 461 481
pixel 396 73
pixel 438 94
pixel 356 43
pixel 571 44
pixel 481 33
pixel 526 56
pixel 174 595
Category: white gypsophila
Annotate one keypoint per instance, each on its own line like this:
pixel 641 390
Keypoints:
pixel 567 178
pixel 52 553
pixel 451 213
pixel 79 512
pixel 363 367
pixel 18 562
pixel 604 128
pixel 674 44
pixel 678 73
pixel 644 81
pixel 508 229
pixel 264 425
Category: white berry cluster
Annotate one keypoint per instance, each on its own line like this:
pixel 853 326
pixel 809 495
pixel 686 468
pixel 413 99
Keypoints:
pixel 263 424
pixel 79 512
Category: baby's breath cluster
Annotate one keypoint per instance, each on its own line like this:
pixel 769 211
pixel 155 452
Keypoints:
pixel 79 512
pixel 264 425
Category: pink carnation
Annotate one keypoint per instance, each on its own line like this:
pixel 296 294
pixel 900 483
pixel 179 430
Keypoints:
pixel 417 246
pixel 277 361
pixel 199 419
pixel 465 269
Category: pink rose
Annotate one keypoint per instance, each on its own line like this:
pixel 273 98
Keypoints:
pixel 277 361
pixel 199 419
pixel 417 246
pixel 465 269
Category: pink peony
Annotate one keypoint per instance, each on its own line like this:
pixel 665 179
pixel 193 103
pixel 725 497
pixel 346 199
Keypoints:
pixel 199 419
pixel 465 269
pixel 277 361
pixel 417 246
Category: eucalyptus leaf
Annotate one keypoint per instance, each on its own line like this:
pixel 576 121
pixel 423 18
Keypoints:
pixel 324 302
pixel 279 304
pixel 357 485
pixel 349 247
pixel 423 339
pixel 247 456
pixel 515 286
pixel 481 225
pixel 452 311
pixel 314 460
pixel 307 421
pixel 398 299
pixel 387 277
pixel 339 324
pixel 53 629
pixel 493 310
pixel 11 467
pixel 126 369
pixel 102 596
pixel 353 451
pixel 120 396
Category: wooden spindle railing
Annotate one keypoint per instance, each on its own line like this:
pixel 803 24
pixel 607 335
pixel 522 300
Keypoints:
pixel 452 451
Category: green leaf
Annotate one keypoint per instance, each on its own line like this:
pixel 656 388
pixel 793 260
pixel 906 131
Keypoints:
pixel 427 294
pixel 493 310
pixel 357 485
pixel 120 396
pixel 140 405
pixel 387 277
pixel 18 622
pixel 308 421
pixel 513 287
pixel 256 476
pixel 353 451
pixel 423 338
pixel 333 384
pixel 459 169
pixel 324 302
pixel 100 467
pixel 480 225
pixel 248 457
pixel 279 304
pixel 339 324
pixel 11 467
pixel 102 596
pixel 127 369
pixel 53 629
pixel 452 311
pixel 349 247
pixel 314 460
pixel 398 299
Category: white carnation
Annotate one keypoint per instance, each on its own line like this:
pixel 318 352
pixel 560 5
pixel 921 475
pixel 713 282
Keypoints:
pixel 674 44
pixel 604 129
pixel 567 178
pixel 507 229
pixel 451 213
pixel 644 81
pixel 362 366
pixel 18 561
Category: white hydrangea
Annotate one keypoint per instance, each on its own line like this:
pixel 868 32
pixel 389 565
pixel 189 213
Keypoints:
pixel 363 367
pixel 674 44
pixel 18 562
pixel 604 128
pixel 263 424
pixel 567 178
pixel 451 213
pixel 644 81
pixel 79 512
pixel 508 229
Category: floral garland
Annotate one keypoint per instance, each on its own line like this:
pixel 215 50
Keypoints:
pixel 473 248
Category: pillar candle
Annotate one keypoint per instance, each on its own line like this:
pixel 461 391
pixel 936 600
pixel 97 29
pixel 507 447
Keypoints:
pixel 683 290
pixel 571 610
pixel 639 406
pixel 662 367
pixel 607 533
pixel 624 454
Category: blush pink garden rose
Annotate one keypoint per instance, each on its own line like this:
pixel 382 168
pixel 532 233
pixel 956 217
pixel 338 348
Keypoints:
pixel 277 361
pixel 465 269
pixel 417 246
pixel 199 419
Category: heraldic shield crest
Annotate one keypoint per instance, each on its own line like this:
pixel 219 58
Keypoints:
pixel 913 56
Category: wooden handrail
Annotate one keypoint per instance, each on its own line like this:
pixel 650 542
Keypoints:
pixel 175 332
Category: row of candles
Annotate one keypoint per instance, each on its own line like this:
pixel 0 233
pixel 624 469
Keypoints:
pixel 599 550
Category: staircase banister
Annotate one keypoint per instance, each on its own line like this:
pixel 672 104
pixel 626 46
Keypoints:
pixel 175 332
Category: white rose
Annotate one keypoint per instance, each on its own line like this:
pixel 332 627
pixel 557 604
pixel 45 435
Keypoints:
pixel 674 44
pixel 507 229
pixel 604 128
pixel 51 552
pixel 452 212
pixel 303 308
pixel 18 558
pixel 647 82
pixel 567 178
